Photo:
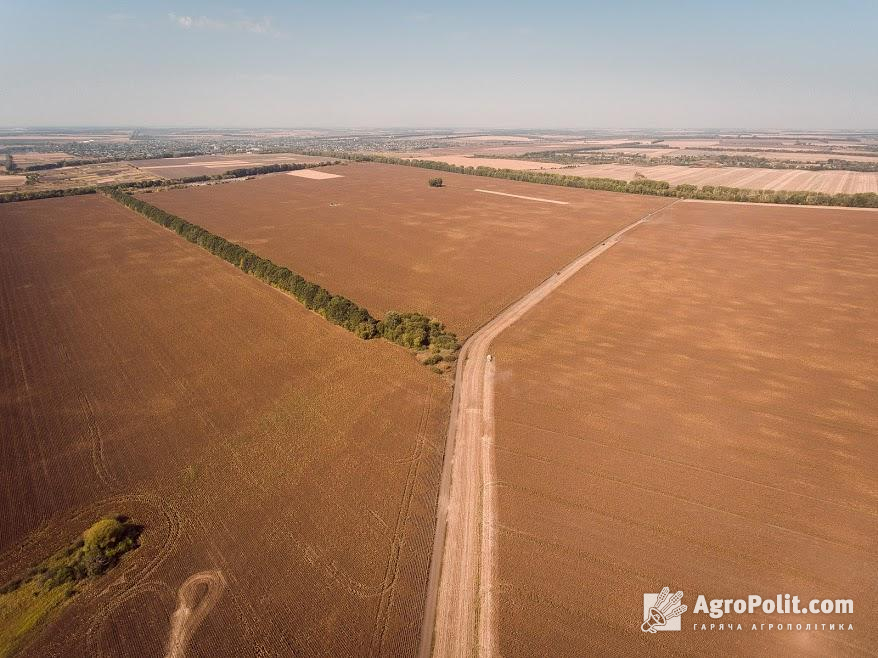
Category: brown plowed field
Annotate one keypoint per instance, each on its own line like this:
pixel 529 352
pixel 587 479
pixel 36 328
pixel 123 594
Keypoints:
pixel 256 441
pixel 218 164
pixel 382 237
pixel 696 408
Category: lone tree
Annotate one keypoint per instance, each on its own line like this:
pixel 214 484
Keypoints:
pixel 435 182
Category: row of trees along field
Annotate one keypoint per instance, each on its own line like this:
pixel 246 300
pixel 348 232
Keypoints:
pixel 9 197
pixel 412 330
pixel 640 185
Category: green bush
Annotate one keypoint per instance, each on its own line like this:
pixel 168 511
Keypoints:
pixel 103 534
pixel 435 182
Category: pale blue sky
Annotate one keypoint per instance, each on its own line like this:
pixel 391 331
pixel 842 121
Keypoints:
pixel 709 64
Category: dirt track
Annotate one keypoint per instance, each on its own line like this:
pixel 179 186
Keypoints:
pixel 458 592
pixel 193 605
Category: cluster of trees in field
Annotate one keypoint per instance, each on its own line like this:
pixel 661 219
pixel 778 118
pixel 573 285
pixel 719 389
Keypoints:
pixel 641 185
pixel 98 549
pixel 412 330
pixel 416 331
pixel 10 163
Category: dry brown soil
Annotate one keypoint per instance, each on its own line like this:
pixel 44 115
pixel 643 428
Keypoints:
pixel 382 237
pixel 696 408
pixel 141 375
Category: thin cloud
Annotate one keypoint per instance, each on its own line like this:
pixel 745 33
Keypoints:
pixel 262 26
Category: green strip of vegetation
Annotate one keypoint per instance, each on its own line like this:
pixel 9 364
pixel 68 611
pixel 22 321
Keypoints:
pixel 28 601
pixel 412 330
pixel 639 185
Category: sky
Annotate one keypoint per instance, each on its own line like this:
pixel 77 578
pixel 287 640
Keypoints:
pixel 770 64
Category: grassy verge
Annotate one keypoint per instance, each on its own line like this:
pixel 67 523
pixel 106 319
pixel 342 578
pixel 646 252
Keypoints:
pixel 32 599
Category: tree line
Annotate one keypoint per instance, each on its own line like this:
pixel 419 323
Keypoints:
pixel 639 185
pixel 412 330
pixel 9 197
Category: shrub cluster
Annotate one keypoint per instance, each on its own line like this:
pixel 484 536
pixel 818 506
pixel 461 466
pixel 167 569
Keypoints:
pixel 416 331
pixel 98 550
pixel 641 185
pixel 411 330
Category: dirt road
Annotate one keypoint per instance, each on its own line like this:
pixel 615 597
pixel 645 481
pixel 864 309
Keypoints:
pixel 195 598
pixel 458 612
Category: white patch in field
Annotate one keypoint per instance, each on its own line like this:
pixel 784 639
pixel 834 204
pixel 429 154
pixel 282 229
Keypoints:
pixel 313 174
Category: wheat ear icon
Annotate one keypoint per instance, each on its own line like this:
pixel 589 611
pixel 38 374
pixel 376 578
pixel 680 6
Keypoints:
pixel 663 610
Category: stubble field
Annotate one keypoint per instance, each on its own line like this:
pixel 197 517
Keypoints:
pixel 381 236
pixel 278 463
pixel 695 409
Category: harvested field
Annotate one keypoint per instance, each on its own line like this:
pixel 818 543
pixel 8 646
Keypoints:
pixel 280 462
pixel 696 408
pixel 382 237
pixel 88 175
pixel 829 182
pixel 770 154
pixel 217 164
pixel 35 158
pixel 12 182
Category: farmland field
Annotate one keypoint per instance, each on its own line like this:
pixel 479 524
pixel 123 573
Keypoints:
pixel 107 173
pixel 217 164
pixel 11 182
pixel 696 408
pixel 381 236
pixel 29 158
pixel 278 463
pixel 828 182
